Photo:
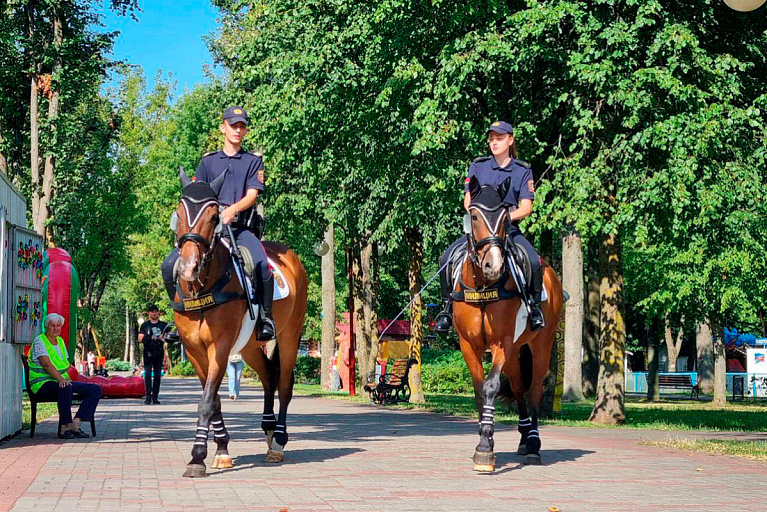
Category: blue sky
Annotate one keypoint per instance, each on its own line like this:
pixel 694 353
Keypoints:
pixel 168 36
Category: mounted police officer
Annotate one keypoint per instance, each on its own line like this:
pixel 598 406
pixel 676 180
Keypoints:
pixel 242 184
pixel 493 171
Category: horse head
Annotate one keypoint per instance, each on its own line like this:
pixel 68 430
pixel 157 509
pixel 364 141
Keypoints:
pixel 198 225
pixel 487 239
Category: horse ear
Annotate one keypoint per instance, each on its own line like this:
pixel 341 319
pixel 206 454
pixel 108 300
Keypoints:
pixel 503 188
pixel 218 183
pixel 474 187
pixel 184 178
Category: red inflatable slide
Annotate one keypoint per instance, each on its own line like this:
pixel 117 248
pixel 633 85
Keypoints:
pixel 113 387
pixel 61 289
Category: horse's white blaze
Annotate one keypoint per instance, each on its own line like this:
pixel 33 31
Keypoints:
pixel 492 263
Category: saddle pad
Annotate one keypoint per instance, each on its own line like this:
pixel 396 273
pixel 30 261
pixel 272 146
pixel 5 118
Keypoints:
pixel 281 288
pixel 521 323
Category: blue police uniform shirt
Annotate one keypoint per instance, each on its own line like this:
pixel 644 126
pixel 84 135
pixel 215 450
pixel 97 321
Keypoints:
pixel 246 171
pixel 488 172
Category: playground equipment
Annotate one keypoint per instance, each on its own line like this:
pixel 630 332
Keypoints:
pixel 61 288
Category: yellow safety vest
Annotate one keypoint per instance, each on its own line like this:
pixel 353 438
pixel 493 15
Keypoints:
pixel 37 374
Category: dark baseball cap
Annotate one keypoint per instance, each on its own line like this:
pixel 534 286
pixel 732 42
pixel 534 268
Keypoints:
pixel 152 307
pixel 236 115
pixel 501 127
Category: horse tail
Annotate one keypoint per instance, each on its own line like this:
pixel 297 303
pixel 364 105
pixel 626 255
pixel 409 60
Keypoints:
pixel 526 365
pixel 273 360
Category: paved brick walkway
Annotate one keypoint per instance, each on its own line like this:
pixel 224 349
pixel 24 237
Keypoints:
pixel 350 457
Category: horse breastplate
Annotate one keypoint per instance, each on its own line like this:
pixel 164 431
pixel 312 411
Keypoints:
pixel 210 298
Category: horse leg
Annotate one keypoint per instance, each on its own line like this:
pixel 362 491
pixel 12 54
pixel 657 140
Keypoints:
pixel 256 359
pixel 206 410
pixel 484 460
pixel 518 388
pixel 222 459
pixel 533 442
pixel 283 361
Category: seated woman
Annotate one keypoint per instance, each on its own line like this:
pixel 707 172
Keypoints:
pixel 49 379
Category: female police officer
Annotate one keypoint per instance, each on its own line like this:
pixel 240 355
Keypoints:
pixel 239 192
pixel 494 170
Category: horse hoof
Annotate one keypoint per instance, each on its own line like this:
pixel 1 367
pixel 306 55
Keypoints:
pixel 484 461
pixel 484 468
pixel 269 437
pixel 522 450
pixel 222 462
pixel 533 459
pixel 275 454
pixel 195 471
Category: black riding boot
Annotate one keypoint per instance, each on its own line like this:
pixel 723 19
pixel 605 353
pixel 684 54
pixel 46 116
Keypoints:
pixel 266 329
pixel 445 317
pixel 537 321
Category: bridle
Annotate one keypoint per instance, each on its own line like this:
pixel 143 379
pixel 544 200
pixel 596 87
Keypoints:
pixel 493 240
pixel 209 246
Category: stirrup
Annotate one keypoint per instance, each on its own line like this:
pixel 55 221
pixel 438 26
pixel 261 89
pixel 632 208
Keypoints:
pixel 266 330
pixel 537 319
pixel 444 322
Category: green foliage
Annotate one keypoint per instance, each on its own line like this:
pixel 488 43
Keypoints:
pixel 307 370
pixel 445 371
pixel 184 369
pixel 118 365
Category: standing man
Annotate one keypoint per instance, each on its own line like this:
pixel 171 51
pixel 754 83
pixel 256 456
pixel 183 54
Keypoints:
pixel 150 335
pixel 243 182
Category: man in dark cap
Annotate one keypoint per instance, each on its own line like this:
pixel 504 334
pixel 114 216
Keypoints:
pixel 150 335
pixel 243 182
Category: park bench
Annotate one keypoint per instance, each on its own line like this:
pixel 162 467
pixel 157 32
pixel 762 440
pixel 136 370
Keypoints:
pixel 394 386
pixel 679 382
pixel 33 401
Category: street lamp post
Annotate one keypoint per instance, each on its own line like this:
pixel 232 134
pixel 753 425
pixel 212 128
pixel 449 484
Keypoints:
pixel 321 249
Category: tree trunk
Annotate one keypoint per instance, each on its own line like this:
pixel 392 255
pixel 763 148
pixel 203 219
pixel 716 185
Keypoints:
pixel 609 406
pixel 591 324
pixel 653 389
pixel 126 352
pixel 572 276
pixel 720 364
pixel 705 348
pixel 34 129
pixel 133 353
pixel 328 346
pixel 43 209
pixel 415 279
pixel 3 158
pixel 367 346
pixel 673 344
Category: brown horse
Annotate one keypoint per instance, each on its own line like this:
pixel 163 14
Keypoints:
pixel 495 325
pixel 210 332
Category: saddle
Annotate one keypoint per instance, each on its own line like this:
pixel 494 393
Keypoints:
pixel 217 296
pixel 493 293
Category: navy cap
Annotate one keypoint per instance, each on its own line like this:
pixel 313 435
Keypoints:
pixel 152 307
pixel 236 115
pixel 501 127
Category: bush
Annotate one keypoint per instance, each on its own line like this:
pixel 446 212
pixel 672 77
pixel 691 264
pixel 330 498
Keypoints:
pixel 118 365
pixel 184 369
pixel 308 370
pixel 445 372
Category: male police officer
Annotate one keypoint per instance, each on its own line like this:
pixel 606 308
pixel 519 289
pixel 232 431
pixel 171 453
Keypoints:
pixel 492 171
pixel 239 192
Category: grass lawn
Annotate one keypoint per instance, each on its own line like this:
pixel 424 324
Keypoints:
pixel 44 410
pixel 756 450
pixel 671 415
pixel 640 414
